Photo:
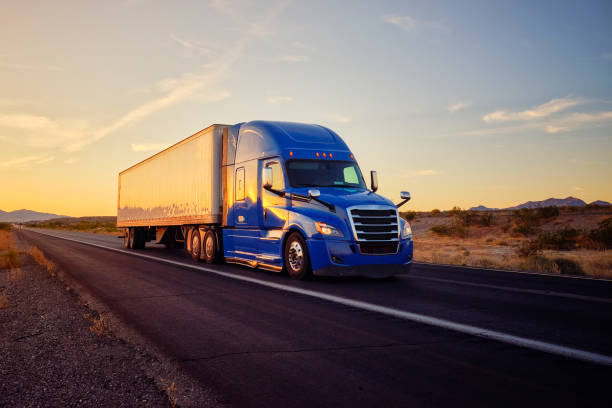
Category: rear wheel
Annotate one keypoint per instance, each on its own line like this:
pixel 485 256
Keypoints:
pixel 140 238
pixel 210 247
pixel 131 238
pixel 296 259
pixel 126 238
pixel 196 245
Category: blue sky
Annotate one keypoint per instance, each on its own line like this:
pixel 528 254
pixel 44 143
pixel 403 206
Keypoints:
pixel 461 103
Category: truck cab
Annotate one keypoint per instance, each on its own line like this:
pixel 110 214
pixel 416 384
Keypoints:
pixel 294 198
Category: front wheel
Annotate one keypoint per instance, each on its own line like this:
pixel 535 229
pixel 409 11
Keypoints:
pixel 297 260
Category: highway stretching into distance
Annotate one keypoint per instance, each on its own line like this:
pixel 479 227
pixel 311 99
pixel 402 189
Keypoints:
pixel 439 336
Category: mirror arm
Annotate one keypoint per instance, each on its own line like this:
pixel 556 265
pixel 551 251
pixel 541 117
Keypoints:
pixel 277 192
pixel 402 203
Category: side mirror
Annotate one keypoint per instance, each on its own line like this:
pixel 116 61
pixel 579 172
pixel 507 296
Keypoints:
pixel 266 178
pixel 405 195
pixel 313 193
pixel 373 181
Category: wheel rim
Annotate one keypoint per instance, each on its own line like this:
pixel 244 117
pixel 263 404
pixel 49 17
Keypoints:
pixel 296 256
pixel 195 244
pixel 210 246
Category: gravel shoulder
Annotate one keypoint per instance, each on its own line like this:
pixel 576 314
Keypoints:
pixel 56 349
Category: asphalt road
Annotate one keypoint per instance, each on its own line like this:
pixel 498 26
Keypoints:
pixel 266 346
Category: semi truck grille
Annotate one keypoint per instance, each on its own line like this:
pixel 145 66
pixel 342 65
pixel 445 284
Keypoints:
pixel 376 229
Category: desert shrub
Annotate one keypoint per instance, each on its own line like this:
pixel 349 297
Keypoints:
pixel 528 249
pixel 506 227
pixel 409 215
pixel 435 212
pixel 603 234
pixel 454 230
pixel 486 220
pixel 565 239
pixel 5 226
pixel 568 267
pixel 546 212
pixel 524 229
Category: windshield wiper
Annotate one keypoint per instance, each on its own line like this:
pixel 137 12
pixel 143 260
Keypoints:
pixel 339 185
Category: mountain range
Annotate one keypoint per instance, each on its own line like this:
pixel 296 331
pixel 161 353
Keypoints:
pixel 26 215
pixel 550 202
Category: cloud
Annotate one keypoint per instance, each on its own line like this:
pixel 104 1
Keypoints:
pixel 578 188
pixel 304 46
pixel 148 147
pixel 539 112
pixel 279 99
pixel 25 161
pixel 293 58
pixel 420 173
pixel 409 23
pixel 71 160
pixel 403 22
pixel 27 67
pixel 606 56
pixel 458 106
pixel 40 131
pixel 190 45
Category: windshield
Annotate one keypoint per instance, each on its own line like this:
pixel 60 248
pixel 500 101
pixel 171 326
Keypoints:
pixel 324 173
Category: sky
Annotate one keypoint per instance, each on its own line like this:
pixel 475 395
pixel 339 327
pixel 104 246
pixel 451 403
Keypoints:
pixel 460 103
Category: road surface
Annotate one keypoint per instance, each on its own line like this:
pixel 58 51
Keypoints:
pixel 439 336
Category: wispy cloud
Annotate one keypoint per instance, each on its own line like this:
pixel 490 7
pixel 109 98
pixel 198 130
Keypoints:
pixel 403 22
pixel 25 161
pixel 421 173
pixel 279 99
pixel 148 147
pixel 538 112
pixel 409 23
pixel 28 67
pixel 304 46
pixel 577 188
pixel 190 45
pixel 40 131
pixel 456 107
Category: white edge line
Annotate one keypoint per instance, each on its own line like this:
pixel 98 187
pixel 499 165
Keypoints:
pixel 538 345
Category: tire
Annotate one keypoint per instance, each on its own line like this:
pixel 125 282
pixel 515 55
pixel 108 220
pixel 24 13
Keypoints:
pixel 196 245
pixel 296 257
pixel 126 238
pixel 140 238
pixel 210 247
pixel 131 239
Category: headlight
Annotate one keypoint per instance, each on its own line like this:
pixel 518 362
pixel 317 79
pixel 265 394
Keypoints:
pixel 406 231
pixel 328 230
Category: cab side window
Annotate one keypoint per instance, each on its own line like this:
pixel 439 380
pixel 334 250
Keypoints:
pixel 278 181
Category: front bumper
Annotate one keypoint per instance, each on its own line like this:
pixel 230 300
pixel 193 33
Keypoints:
pixel 342 258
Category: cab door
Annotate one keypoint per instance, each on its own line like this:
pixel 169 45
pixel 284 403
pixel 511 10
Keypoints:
pixel 273 214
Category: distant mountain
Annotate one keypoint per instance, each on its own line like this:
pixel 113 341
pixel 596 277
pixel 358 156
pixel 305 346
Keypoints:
pixel 600 202
pixel 483 208
pixel 551 202
pixel 26 215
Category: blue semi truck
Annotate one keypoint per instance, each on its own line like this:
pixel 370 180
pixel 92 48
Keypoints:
pixel 279 196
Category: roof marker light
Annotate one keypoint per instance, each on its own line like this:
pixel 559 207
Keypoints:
pixel 291 154
pixel 317 154
pixel 330 156
pixel 352 156
pixel 324 155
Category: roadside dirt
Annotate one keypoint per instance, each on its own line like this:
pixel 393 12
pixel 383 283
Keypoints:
pixel 57 350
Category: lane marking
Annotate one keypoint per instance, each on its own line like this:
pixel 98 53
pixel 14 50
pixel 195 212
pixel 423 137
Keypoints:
pixel 513 289
pixel 550 348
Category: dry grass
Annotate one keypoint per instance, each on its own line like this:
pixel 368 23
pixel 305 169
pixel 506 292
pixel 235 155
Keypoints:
pixel 9 256
pixel 170 391
pixel 99 326
pixel 42 260
pixel 96 225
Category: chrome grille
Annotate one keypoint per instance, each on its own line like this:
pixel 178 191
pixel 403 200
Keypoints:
pixel 376 228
